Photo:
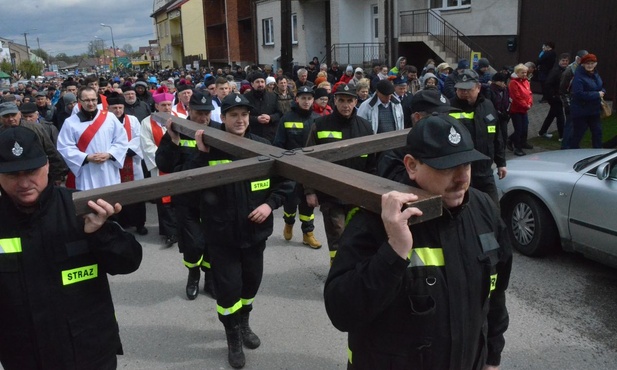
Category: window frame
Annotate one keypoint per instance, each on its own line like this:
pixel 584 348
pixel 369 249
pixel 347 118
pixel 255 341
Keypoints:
pixel 267 27
pixel 445 6
pixel 294 29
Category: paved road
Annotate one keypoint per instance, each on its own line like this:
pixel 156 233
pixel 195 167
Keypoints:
pixel 561 313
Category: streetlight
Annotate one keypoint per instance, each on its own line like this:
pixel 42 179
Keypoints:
pixel 26 38
pixel 112 41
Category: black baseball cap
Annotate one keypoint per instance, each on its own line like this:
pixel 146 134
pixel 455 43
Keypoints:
pixel 467 79
pixel 344 89
pixel 442 142
pixel 200 101
pixel 20 150
pixel 235 100
pixel 430 100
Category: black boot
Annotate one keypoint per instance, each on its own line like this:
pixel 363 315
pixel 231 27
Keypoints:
pixel 250 339
pixel 209 284
pixel 234 347
pixel 192 284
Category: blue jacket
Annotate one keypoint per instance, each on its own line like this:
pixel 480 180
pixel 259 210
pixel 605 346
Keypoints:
pixel 585 90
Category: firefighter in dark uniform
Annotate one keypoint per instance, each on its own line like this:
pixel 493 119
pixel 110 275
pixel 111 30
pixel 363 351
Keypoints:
pixel 342 124
pixel 481 119
pixel 56 311
pixel 171 156
pixel 237 230
pixel 429 296
pixel 292 133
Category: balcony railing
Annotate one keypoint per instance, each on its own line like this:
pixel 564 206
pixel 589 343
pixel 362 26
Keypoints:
pixel 358 53
pixel 176 40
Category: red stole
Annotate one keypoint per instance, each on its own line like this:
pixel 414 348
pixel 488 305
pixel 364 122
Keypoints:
pixel 180 108
pixel 126 172
pixel 83 142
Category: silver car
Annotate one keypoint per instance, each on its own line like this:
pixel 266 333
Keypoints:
pixel 564 197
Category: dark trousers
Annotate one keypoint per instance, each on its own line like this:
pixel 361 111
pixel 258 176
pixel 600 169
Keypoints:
pixel 237 276
pixel 567 132
pixel 297 200
pixel 132 215
pixel 520 122
pixel 334 215
pixel 191 239
pixel 167 218
pixel 555 112
pixel 579 127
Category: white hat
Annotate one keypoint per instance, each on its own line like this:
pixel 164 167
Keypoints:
pixel 359 70
pixel 270 80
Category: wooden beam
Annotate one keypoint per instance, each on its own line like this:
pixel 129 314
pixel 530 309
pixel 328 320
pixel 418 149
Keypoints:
pixel 175 183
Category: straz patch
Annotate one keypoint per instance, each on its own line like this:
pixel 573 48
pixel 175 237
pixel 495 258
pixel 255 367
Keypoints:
pixel 80 274
pixel 260 185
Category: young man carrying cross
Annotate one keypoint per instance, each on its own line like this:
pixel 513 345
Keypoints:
pixel 237 230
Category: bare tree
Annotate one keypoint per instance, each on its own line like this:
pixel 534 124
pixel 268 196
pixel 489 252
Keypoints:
pixel 128 48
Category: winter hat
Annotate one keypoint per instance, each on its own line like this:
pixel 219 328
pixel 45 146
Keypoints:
pixel 349 68
pixel 463 64
pixel 483 63
pixel 270 80
pixel 589 58
pixel 320 93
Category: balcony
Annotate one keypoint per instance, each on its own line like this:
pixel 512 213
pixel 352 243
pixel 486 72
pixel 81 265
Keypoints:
pixel 176 40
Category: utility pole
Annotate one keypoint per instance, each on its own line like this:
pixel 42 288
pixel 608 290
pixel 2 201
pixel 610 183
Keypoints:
pixel 286 45
pixel 113 44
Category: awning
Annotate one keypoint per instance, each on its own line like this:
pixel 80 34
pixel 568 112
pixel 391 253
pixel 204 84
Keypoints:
pixel 4 75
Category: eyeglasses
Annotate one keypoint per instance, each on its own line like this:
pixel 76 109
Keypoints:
pixel 92 101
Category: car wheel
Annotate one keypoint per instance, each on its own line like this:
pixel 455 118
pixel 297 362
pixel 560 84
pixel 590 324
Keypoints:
pixel 530 225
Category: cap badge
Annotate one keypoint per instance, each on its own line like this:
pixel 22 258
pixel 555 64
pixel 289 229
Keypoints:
pixel 442 99
pixel 238 100
pixel 304 89
pixel 346 88
pixel 454 138
pixel 464 78
pixel 204 100
pixel 17 149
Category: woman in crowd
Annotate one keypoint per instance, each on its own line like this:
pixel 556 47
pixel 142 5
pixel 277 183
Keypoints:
pixel 522 100
pixel 585 107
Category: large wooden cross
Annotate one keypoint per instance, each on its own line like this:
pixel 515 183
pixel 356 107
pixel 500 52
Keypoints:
pixel 310 166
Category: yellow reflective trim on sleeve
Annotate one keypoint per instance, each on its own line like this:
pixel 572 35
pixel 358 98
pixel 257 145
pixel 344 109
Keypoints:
pixel 462 115
pixel 364 156
pixel 216 163
pixel 226 311
pixel 426 257
pixel 329 135
pixel 305 218
pixel 191 265
pixel 188 143
pixel 332 254
pixel 10 245
pixel 79 274
pixel 294 124
pixel 352 212
pixel 491 129
pixel 493 283
pixel 260 185
pixel 247 301
pixel 206 264
pixel 350 355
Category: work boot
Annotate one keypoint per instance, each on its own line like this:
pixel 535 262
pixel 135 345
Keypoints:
pixel 235 354
pixel 309 239
pixel 209 284
pixel 192 284
pixel 250 339
pixel 288 231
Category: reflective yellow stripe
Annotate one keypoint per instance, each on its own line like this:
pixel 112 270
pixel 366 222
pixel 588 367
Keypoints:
pixel 294 124
pixel 230 310
pixel 260 185
pixel 493 283
pixel 426 257
pixel 332 254
pixel 215 163
pixel 329 135
pixel 191 265
pixel 290 215
pixel 247 301
pixel 189 143
pixel 206 264
pixel 462 115
pixel 352 212
pixel 10 245
pixel 80 274
pixel 491 129
pixel 364 156
pixel 305 218
pixel 350 355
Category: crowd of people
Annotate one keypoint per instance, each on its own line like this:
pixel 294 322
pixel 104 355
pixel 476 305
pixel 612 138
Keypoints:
pixel 389 282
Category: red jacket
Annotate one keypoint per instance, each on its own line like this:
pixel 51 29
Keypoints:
pixel 520 95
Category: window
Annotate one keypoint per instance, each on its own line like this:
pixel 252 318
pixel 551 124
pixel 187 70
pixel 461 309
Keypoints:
pixel 268 31
pixel 294 29
pixel 445 4
pixel 375 11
